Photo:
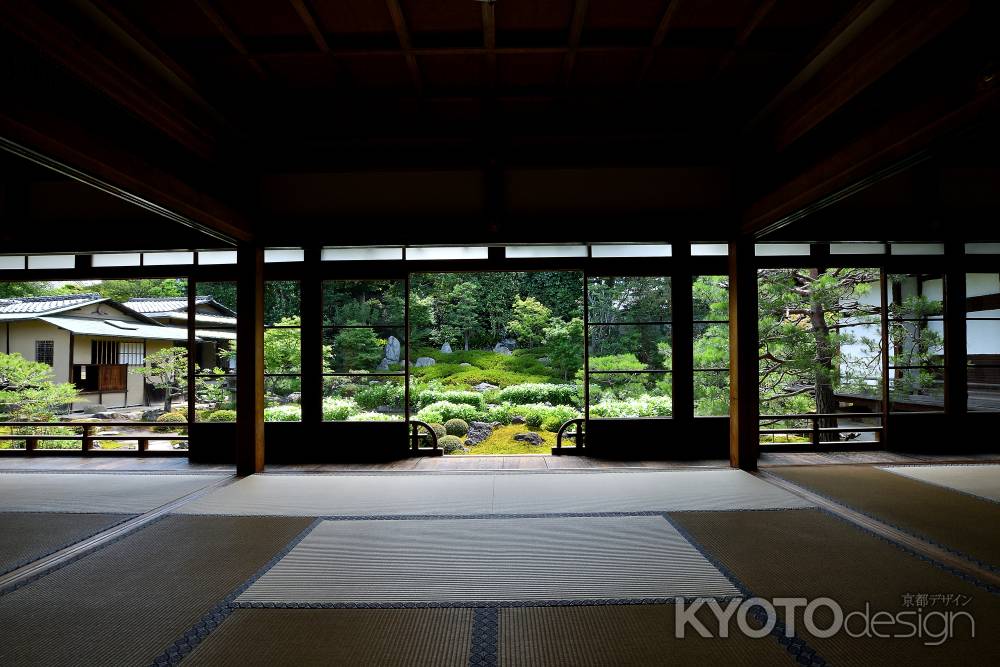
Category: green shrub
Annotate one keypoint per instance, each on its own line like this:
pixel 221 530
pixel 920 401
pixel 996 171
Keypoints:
pixel 537 416
pixel 283 413
pixel 499 413
pixel 378 394
pixel 456 427
pixel 557 394
pixel 439 430
pixel 643 406
pixel 374 417
pixel 169 417
pixel 450 443
pixel 442 411
pixel 472 398
pixel 222 416
pixel 469 377
pixel 338 409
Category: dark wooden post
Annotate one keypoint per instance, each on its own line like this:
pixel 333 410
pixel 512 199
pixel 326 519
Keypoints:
pixel 250 360
pixel 683 343
pixel 956 371
pixel 744 423
pixel 311 310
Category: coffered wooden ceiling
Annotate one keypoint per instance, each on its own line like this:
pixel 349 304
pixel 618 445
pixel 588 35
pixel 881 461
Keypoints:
pixel 235 113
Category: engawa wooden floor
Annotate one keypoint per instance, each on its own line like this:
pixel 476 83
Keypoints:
pixel 463 463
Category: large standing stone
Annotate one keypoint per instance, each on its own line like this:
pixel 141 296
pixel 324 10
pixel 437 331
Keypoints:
pixel 446 348
pixel 383 365
pixel 392 349
pixel 425 361
pixel 500 349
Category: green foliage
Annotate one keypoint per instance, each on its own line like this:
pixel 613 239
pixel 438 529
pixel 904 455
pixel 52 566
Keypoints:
pixel 442 411
pixel 27 392
pixel 557 394
pixel 472 398
pixel 221 416
pixel 283 348
pixel 282 301
pixel 374 417
pixel 166 369
pixel 538 415
pixel 123 290
pixel 643 406
pixel 356 349
pixel 456 427
pixel 450 444
pixel 283 413
pixel 339 409
pixel 172 418
pixel 378 394
pixel 530 317
pixel 564 341
pixel 439 430
pixel 501 441
pixel 457 314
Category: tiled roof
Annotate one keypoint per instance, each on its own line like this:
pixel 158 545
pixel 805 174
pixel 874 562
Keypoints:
pixel 38 305
pixel 148 305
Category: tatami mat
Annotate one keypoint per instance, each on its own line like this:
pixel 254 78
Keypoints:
pixel 95 493
pixel 298 637
pixel 979 480
pixel 560 558
pixel 27 536
pixel 674 490
pixel 326 495
pixel 958 521
pixel 623 635
pixel 812 554
pixel 510 493
pixel 125 603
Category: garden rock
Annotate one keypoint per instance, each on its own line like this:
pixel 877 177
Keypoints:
pixel 530 438
pixel 383 365
pixel 466 364
pixel 478 431
pixel 509 343
pixel 392 349
pixel 484 386
pixel 500 349
pixel 543 360
pixel 425 361
pixel 294 397
pixel 446 348
pixel 151 415
pixel 518 419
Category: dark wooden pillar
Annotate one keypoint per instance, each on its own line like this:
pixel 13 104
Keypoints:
pixel 311 310
pixel 956 371
pixel 250 360
pixel 683 343
pixel 744 424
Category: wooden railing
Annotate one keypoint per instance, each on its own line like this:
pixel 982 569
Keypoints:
pixel 578 437
pixel 815 430
pixel 415 436
pixel 88 435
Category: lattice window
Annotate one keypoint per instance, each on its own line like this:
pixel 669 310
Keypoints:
pixel 44 351
pixel 132 354
pixel 104 352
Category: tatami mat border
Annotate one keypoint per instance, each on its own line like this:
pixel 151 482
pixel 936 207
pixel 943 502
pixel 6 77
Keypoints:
pixel 52 550
pixel 484 645
pixel 174 653
pixel 535 515
pixel 919 536
pixel 58 566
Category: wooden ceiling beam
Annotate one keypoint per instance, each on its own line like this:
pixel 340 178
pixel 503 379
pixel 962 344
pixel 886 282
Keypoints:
pixel 227 31
pixel 761 13
pixel 146 49
pixel 575 35
pixel 312 24
pixel 666 23
pixel 887 40
pixel 65 147
pixel 896 144
pixel 60 44
pixel 403 35
pixel 490 42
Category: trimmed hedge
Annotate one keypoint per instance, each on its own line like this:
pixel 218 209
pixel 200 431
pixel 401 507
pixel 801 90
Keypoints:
pixel 283 413
pixel 450 443
pixel 442 411
pixel 456 427
pixel 339 409
pixel 473 398
pixel 556 394
pixel 374 417
pixel 439 430
pixel 644 406
pixel 221 416
pixel 550 417
pixel 377 394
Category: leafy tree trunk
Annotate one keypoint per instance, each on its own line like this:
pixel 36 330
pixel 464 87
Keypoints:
pixel 466 335
pixel 825 401
pixel 168 400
